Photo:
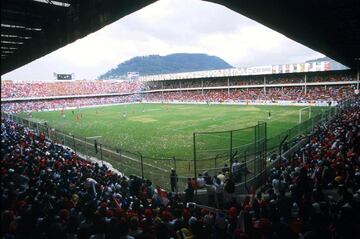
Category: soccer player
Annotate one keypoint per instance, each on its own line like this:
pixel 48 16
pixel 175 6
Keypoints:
pixel 124 115
pixel 269 115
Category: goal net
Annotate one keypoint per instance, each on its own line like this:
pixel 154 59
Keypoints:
pixel 304 114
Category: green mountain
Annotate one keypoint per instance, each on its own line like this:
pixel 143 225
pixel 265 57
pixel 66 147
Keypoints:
pixel 173 63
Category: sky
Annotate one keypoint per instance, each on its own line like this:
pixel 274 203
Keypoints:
pixel 166 27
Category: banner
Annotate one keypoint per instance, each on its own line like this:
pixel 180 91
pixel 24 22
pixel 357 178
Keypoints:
pixel 64 76
pixel 240 71
pixel 259 70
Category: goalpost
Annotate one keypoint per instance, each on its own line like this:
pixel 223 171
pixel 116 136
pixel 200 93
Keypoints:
pixel 307 114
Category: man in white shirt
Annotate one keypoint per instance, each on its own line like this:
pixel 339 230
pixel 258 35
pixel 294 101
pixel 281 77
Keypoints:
pixel 200 181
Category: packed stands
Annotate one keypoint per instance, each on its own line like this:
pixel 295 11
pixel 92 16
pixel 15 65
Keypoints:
pixel 294 88
pixel 48 191
pixel 286 80
pixel 252 80
pixel 41 105
pixel 249 80
pixel 11 89
pixel 297 94
pixel 332 77
pixel 61 88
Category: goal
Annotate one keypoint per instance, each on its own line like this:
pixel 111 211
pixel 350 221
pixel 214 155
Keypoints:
pixel 304 114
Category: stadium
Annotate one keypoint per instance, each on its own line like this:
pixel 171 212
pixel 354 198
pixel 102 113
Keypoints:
pixel 247 152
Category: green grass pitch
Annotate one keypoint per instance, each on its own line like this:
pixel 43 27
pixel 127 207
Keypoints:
pixel 159 130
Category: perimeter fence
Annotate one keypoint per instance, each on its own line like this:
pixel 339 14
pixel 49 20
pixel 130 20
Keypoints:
pixel 250 148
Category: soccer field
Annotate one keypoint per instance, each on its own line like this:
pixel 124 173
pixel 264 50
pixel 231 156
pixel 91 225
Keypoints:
pixel 166 130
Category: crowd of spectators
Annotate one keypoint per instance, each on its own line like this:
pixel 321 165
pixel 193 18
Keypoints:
pixel 272 94
pixel 41 105
pixel 313 93
pixel 334 77
pixel 195 75
pixel 48 191
pixel 320 184
pixel 287 80
pixel 11 89
pixel 248 80
pixel 296 94
pixel 335 93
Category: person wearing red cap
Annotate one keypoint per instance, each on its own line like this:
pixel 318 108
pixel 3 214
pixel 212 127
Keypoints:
pixel 166 216
pixel 240 234
pixel 147 222
pixel 119 212
pixel 232 219
pixel 148 213
pixel 186 214
pixel 115 204
pixel 134 229
pixel 64 215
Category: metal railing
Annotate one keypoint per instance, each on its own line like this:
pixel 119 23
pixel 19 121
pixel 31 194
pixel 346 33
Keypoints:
pixel 254 154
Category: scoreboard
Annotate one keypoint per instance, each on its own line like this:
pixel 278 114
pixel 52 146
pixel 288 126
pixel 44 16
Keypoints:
pixel 64 76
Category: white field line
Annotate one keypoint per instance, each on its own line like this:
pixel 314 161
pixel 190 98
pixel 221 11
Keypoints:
pixel 148 110
pixel 93 137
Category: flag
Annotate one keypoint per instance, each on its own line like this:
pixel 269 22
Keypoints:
pixel 163 195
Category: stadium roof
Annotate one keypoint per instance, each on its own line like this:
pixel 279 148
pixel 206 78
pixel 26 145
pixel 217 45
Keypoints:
pixel 31 29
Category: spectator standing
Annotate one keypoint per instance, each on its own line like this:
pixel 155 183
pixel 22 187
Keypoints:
pixel 174 180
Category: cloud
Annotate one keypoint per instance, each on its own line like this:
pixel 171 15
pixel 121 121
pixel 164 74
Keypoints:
pixel 165 27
